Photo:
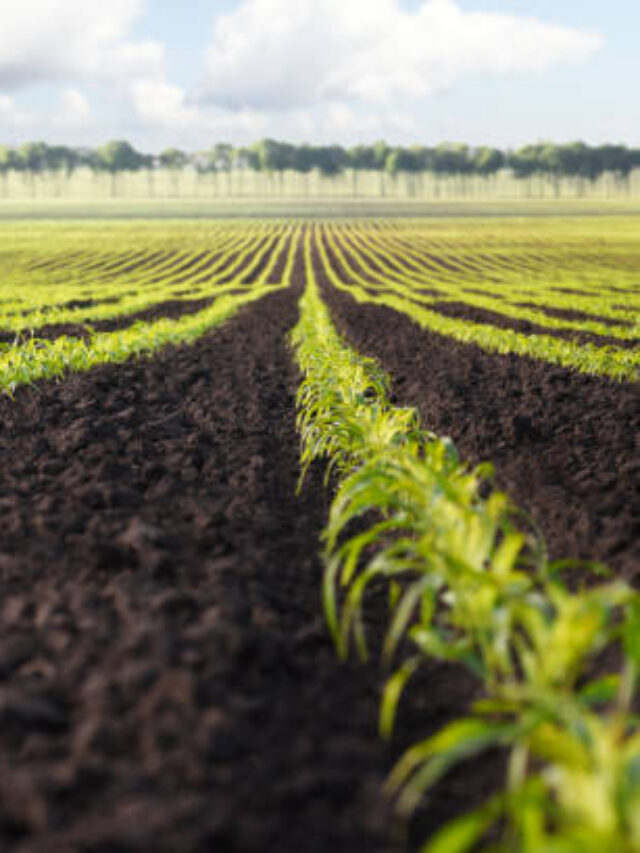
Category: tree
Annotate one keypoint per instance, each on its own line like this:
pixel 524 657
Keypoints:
pixel 32 156
pixel 487 161
pixel 331 159
pixel 119 156
pixel 380 153
pixel 401 160
pixel 361 157
pixel 173 158
pixel 8 160
pixel 452 159
pixel 247 158
pixel 525 161
pixel 302 159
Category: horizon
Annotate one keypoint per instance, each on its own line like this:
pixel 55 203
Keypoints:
pixel 442 144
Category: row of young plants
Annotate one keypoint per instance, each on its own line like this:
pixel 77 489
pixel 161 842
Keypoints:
pixel 60 295
pixel 617 363
pixel 518 281
pixel 469 582
pixel 41 359
pixel 29 358
pixel 49 276
pixel 36 359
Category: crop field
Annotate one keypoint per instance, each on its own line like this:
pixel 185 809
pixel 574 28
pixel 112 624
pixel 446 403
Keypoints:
pixel 320 535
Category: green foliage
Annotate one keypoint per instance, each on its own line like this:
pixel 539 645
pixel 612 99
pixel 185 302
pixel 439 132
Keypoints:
pixel 571 160
pixel 120 156
pixel 173 158
pixel 91 274
pixel 417 271
pixel 469 583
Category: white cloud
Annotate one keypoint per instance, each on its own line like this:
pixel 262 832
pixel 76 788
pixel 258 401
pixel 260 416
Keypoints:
pixel 10 115
pixel 337 120
pixel 302 69
pixel 274 54
pixel 68 39
pixel 89 41
pixel 157 104
pixel 73 110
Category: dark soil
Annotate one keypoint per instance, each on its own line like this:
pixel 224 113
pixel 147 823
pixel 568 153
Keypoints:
pixel 463 311
pixel 247 260
pixel 579 316
pixel 564 445
pixel 172 309
pixel 49 333
pixel 194 268
pixel 71 305
pixel 476 291
pixel 144 262
pixel 277 272
pixel 89 303
pixel 571 290
pixel 166 680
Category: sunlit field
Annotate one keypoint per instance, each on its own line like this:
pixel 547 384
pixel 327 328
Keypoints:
pixel 416 431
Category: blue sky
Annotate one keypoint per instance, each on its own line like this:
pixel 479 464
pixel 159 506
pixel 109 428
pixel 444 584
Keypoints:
pixel 164 72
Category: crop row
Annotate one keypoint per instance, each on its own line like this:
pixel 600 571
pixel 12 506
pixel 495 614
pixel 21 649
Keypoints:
pixel 93 286
pixel 555 277
pixel 566 294
pixel 31 358
pixel 514 281
pixel 469 582
pixel 401 290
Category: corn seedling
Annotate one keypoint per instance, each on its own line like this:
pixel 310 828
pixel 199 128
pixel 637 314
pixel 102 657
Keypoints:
pixel 469 582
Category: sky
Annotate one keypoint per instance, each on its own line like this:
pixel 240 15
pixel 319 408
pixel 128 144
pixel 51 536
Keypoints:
pixel 189 73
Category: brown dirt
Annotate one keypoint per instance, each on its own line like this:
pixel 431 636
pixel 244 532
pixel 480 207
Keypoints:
pixel 144 263
pixel 277 272
pixel 579 316
pixel 247 260
pixel 172 309
pixel 475 291
pixel 463 311
pixel 563 444
pixel 571 290
pixel 166 680
pixel 70 305
pixel 49 332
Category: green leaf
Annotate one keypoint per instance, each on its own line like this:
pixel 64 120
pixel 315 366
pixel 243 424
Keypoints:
pixel 462 834
pixel 392 692
pixel 631 633
pixel 601 691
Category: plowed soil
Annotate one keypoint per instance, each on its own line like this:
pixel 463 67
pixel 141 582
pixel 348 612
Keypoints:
pixel 172 309
pixel 166 679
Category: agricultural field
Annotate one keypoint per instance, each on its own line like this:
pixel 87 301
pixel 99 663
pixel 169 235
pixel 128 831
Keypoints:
pixel 320 534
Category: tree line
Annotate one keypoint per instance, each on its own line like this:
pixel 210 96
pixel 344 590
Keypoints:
pixel 572 160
